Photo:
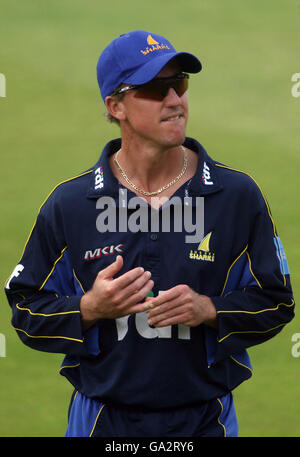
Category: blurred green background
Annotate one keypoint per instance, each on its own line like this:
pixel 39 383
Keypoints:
pixel 52 127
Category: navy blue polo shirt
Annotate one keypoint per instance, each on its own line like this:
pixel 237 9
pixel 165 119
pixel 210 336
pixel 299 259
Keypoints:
pixel 218 237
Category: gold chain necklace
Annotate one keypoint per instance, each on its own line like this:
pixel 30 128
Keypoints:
pixel 138 189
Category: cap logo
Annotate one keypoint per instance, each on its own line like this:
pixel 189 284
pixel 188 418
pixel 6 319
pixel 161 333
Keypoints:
pixel 154 46
pixel 151 40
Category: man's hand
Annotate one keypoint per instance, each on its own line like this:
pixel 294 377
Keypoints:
pixel 111 297
pixel 181 305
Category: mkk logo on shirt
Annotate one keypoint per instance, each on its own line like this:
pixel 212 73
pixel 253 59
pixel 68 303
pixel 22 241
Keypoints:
pixel 107 250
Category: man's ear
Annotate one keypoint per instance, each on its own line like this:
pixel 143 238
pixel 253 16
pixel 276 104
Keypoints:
pixel 115 107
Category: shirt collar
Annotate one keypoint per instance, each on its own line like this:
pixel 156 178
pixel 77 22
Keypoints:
pixel 205 181
pixel 103 182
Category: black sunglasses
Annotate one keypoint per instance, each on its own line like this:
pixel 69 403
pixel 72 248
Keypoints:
pixel 158 88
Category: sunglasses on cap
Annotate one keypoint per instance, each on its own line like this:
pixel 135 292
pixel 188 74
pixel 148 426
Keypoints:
pixel 158 88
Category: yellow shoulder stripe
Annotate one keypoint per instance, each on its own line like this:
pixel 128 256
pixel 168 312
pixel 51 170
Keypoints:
pixel 229 269
pixel 265 200
pixel 247 174
pixel 251 271
pixel 81 286
pixel 62 182
pixel 53 268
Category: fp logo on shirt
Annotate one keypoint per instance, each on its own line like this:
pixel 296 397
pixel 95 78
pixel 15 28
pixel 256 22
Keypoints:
pixel 206 179
pixel 99 178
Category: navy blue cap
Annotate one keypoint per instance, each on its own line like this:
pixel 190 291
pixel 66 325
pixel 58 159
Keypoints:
pixel 136 58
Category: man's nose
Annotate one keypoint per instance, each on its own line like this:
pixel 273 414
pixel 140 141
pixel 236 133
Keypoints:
pixel 172 97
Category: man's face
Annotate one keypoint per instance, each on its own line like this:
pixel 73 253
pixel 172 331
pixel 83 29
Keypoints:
pixel 157 122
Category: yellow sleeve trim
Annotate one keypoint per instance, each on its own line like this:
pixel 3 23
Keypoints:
pixel 260 311
pixel 70 366
pixel 222 425
pixel 46 315
pixel 241 364
pixel 96 420
pixel 251 331
pixel 46 336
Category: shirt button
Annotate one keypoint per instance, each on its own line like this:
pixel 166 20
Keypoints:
pixel 153 236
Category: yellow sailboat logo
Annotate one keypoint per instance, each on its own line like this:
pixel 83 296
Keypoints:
pixel 151 40
pixel 203 252
pixel 153 46
pixel 204 245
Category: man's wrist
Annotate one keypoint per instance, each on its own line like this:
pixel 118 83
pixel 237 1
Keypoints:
pixel 88 317
pixel 211 318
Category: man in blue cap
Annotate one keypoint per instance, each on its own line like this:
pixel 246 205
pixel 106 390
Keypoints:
pixel 154 322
